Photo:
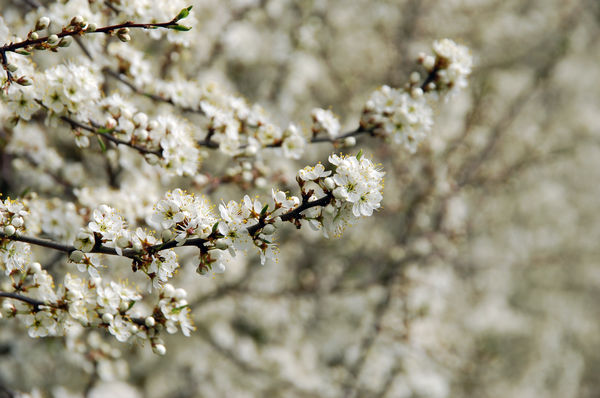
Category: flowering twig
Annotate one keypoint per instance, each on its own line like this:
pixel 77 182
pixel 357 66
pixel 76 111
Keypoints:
pixel 103 132
pixel 77 27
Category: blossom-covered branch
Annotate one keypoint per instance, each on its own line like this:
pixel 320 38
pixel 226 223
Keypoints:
pixel 77 27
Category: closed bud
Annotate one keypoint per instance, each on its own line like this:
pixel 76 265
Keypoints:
pixel 416 92
pixel 123 35
pixel 159 349
pixel 180 294
pixel 33 36
pixel 53 40
pixel 268 229
pixel 168 290
pixel 24 81
pixel 35 267
pixel 221 244
pixel 349 141
pixel 429 62
pixel 107 318
pixel 91 27
pixel 11 68
pixel 329 183
pixel 166 235
pixel 66 41
pixel 149 321
pixel 76 256
pixel 77 20
pixel 42 23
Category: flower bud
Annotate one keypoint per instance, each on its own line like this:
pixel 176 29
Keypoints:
pixel 168 290
pixel 349 141
pixel 180 294
pixel 416 92
pixel 11 67
pixel 268 229
pixel 9 230
pixel 329 183
pixel 429 62
pixel 123 241
pixel 159 349
pixel 123 35
pixel 91 27
pixel 17 222
pixel 221 244
pixel 140 119
pixel 66 41
pixel 33 36
pixel 107 318
pixel 35 267
pixel 53 40
pixel 24 81
pixel 166 235
pixel 151 158
pixel 76 256
pixel 415 77
pixel 149 321
pixel 42 23
pixel 77 20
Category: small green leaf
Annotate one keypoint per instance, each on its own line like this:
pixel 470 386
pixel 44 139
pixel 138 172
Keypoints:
pixel 359 155
pixel 180 28
pixel 23 52
pixel 25 192
pixel 102 144
pixel 177 310
pixel 131 304
pixel 104 130
pixel 214 227
pixel 264 210
pixel 183 13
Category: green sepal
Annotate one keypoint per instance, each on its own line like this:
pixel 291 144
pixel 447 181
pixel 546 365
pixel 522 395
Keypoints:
pixel 359 155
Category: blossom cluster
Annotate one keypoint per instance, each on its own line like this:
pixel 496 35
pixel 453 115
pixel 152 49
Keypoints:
pixel 406 115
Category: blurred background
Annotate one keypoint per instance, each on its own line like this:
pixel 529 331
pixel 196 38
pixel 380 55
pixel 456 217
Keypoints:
pixel 479 277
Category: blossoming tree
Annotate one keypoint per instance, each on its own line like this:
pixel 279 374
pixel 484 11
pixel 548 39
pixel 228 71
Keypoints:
pixel 135 177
